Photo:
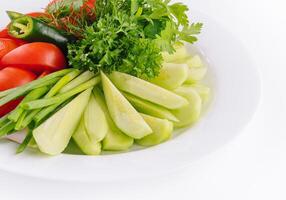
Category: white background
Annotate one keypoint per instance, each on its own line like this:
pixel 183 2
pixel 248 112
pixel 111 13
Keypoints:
pixel 251 167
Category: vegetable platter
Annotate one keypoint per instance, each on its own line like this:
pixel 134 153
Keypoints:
pixel 97 76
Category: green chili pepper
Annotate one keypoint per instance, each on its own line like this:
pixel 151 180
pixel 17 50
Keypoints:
pixel 33 30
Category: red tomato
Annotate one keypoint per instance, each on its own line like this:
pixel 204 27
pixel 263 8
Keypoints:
pixel 36 57
pixel 8 107
pixel 45 73
pixel 14 77
pixel 6 45
pixel 4 34
pixel 37 14
pixel 11 78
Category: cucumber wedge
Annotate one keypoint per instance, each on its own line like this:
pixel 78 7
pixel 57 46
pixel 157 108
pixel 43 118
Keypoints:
pixel 95 121
pixel 203 91
pixel 82 139
pixel 124 115
pixel 195 62
pixel 147 91
pixel 115 140
pixel 162 131
pixel 191 61
pixel 181 53
pixel 196 74
pixel 172 75
pixel 150 108
pixel 53 136
pixel 190 113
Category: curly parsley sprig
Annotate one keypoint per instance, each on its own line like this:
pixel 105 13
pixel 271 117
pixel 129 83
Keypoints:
pixel 129 36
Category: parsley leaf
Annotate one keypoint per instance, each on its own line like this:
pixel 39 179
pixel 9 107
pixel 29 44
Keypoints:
pixel 130 36
pixel 116 43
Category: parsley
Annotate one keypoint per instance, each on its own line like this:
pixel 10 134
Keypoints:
pixel 129 36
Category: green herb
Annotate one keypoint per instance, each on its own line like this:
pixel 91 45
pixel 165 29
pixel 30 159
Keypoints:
pixel 26 142
pixel 70 15
pixel 129 36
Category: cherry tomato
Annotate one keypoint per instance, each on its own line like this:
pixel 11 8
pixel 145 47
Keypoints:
pixel 11 78
pixel 36 57
pixel 6 45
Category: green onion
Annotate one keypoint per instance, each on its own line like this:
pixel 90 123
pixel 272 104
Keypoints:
pixel 4 120
pixel 76 82
pixel 20 91
pixel 44 113
pixel 62 82
pixel 61 97
pixel 4 93
pixel 26 142
pixel 33 95
pixel 28 118
pixel 6 129
pixel 19 122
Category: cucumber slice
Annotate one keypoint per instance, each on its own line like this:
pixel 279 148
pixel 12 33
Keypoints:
pixel 181 53
pixel 172 75
pixel 191 61
pixel 53 136
pixel 85 143
pixel 150 108
pixel 162 131
pixel 147 91
pixel 124 115
pixel 190 113
pixel 95 121
pixel 115 140
pixel 196 74
pixel 203 91
pixel 73 149
pixel 195 62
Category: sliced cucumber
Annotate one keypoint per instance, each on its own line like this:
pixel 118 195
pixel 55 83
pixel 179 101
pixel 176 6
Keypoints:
pixel 203 91
pixel 196 74
pixel 190 113
pixel 115 139
pixel 191 61
pixel 162 131
pixel 53 136
pixel 85 143
pixel 195 62
pixel 172 75
pixel 147 91
pixel 150 108
pixel 180 53
pixel 73 149
pixel 95 121
pixel 124 115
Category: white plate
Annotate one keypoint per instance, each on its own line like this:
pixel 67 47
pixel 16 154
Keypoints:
pixel 236 89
